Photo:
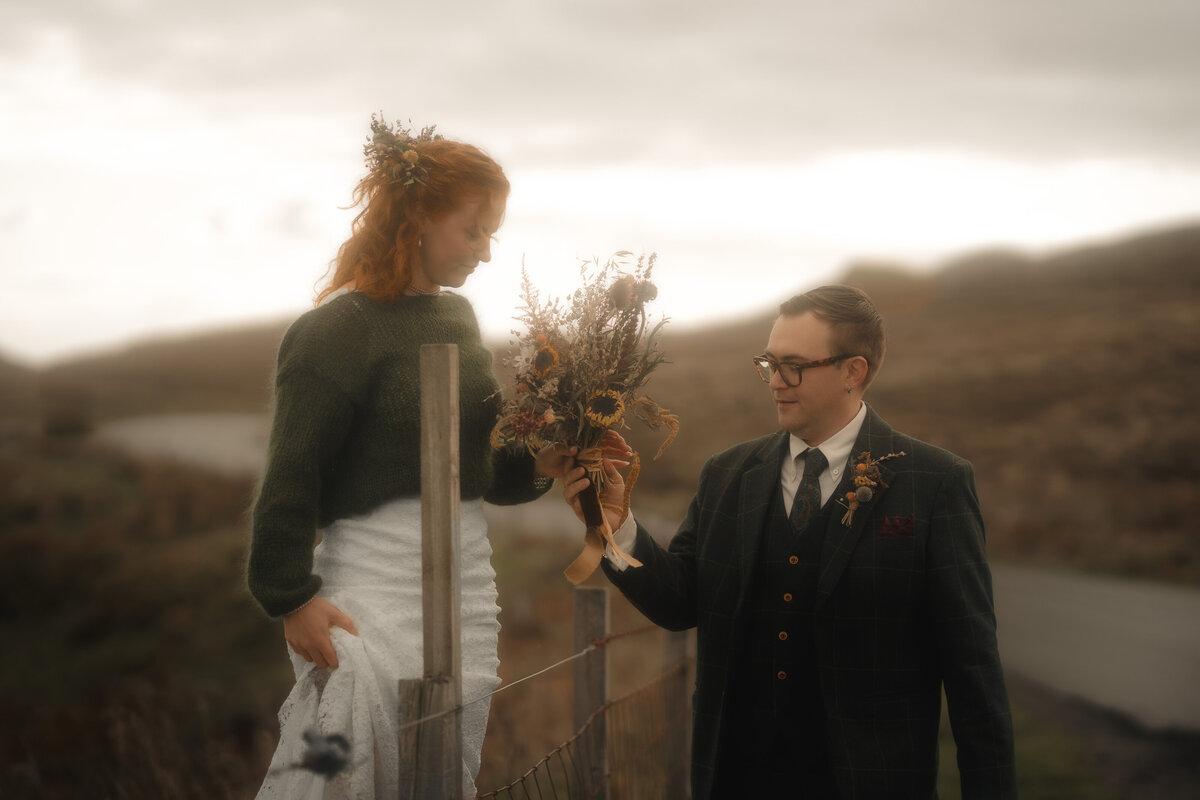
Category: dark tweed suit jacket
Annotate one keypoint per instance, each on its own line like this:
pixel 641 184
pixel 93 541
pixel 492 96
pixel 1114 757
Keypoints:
pixel 904 607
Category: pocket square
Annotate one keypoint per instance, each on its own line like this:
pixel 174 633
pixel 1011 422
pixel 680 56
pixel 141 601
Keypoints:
pixel 894 526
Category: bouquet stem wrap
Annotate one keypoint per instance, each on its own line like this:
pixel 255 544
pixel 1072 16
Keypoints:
pixel 598 532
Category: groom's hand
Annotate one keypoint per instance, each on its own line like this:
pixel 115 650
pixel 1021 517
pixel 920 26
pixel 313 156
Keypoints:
pixel 612 498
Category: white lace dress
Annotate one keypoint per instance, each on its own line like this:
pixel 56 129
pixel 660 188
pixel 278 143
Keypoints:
pixel 371 568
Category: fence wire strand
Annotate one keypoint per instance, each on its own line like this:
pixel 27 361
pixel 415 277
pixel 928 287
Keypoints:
pixel 595 645
pixel 640 724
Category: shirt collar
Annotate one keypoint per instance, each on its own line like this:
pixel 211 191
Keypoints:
pixel 836 448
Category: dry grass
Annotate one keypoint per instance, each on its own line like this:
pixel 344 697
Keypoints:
pixel 138 665
pixel 140 668
pixel 536 631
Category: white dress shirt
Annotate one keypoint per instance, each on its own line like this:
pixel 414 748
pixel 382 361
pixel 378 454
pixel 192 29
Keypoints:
pixel 837 450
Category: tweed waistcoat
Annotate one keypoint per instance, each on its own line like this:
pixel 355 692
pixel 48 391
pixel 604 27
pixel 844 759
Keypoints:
pixel 778 726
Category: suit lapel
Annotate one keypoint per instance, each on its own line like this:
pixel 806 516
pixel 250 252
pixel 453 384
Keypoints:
pixel 875 437
pixel 759 481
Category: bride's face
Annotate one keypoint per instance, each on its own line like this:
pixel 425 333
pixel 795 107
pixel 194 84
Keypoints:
pixel 453 246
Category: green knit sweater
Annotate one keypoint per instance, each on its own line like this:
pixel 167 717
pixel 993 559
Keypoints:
pixel 346 435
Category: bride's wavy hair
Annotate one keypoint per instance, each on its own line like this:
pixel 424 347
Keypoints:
pixel 384 238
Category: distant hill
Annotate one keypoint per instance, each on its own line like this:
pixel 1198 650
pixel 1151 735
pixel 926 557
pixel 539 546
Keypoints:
pixel 1069 380
pixel 18 390
pixel 223 370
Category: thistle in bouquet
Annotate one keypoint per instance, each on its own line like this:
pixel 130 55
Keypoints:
pixel 580 370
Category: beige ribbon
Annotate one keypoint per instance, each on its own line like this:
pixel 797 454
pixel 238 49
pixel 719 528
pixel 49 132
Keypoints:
pixel 596 537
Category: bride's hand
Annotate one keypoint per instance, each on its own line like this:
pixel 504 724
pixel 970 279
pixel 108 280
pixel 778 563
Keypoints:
pixel 553 460
pixel 307 631
pixel 556 460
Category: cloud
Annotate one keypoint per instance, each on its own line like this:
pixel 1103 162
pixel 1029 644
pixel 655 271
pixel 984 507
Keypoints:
pixel 12 217
pixel 623 81
pixel 190 148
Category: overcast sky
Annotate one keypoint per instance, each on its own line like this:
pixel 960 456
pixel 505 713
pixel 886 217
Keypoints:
pixel 169 166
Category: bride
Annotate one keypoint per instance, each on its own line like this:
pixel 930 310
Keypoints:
pixel 343 465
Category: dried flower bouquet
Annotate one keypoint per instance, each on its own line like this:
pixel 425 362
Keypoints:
pixel 579 371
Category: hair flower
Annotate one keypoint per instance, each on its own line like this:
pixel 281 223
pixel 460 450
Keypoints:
pixel 392 153
pixel 866 480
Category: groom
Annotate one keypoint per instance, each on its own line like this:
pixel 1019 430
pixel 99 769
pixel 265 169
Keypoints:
pixel 836 574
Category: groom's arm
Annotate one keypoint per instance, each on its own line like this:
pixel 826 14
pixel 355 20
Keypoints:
pixel 964 624
pixel 664 587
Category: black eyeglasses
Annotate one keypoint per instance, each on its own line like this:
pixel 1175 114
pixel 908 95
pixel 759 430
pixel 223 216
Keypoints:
pixel 791 373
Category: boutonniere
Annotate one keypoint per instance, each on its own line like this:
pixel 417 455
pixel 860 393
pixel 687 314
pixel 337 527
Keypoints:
pixel 866 480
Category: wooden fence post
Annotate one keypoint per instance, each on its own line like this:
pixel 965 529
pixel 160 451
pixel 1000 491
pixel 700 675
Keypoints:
pixel 677 712
pixel 591 688
pixel 431 754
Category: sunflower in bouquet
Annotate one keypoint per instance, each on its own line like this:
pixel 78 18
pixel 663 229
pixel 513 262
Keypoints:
pixel 579 371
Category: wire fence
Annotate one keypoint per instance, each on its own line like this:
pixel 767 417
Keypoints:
pixel 622 747
pixel 632 746
pixel 642 754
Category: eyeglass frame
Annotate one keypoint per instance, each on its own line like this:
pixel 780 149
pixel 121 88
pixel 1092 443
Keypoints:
pixel 773 367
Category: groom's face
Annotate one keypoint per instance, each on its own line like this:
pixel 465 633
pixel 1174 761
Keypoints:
pixel 818 407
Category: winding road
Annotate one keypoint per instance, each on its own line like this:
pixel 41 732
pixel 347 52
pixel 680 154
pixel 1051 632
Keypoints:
pixel 1129 646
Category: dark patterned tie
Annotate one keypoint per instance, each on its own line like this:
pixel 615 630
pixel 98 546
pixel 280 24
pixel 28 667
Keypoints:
pixel 808 494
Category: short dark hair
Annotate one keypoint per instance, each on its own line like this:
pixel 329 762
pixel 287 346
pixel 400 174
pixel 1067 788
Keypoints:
pixel 857 326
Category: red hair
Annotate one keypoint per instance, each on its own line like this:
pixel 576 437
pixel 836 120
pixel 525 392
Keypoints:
pixel 377 258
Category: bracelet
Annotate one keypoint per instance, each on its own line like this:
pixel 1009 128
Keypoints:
pixel 302 605
pixel 542 482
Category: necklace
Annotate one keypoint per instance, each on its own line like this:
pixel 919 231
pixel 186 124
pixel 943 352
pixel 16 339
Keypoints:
pixel 412 290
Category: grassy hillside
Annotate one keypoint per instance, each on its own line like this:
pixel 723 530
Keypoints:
pixel 225 370
pixel 18 390
pixel 1066 379
pixel 1068 382
pixel 141 668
